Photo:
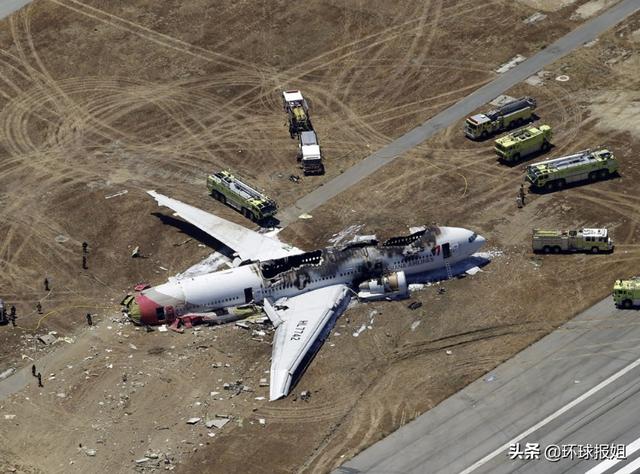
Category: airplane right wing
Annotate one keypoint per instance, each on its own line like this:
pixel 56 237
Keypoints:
pixel 302 325
pixel 248 244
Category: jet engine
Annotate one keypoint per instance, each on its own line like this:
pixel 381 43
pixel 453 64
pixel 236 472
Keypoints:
pixel 390 286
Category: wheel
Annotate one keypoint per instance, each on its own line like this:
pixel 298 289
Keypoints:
pixel 484 135
pixel 549 185
pixel 223 198
pixel 546 249
pixel 546 146
pixel 557 249
pixel 593 176
pixel 215 194
pixel 248 214
pixel 515 157
pixel 595 250
pixel 560 184
pixel 603 174
pixel 627 304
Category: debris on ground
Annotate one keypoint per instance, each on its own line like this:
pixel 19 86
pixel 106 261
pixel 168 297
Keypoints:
pixel 121 193
pixel 305 396
pixel 7 373
pixel 294 178
pixel 47 339
pixel 193 421
pixel 135 253
pixel 219 422
pixel 415 305
pixel 513 62
pixel 536 17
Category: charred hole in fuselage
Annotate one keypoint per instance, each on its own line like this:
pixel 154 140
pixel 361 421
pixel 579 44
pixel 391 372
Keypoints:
pixel 272 268
pixel 426 235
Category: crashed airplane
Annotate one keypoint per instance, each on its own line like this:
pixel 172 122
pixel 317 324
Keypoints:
pixel 302 293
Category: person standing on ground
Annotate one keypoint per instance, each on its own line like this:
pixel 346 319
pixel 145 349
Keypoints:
pixel 39 380
pixel 39 308
pixel 89 320
pixel 84 262
pixel 46 284
pixel 33 370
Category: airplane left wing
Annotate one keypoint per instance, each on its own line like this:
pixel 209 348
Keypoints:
pixel 248 244
pixel 302 325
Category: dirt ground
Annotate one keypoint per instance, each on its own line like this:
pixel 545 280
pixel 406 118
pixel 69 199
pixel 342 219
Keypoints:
pixel 100 98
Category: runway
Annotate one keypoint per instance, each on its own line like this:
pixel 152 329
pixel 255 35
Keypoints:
pixel 578 386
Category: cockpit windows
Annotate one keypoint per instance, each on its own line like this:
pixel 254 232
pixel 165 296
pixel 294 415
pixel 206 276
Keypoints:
pixel 473 237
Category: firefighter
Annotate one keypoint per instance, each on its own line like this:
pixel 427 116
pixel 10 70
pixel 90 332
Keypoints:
pixel 84 262
pixel 89 320
pixel 521 194
pixel 39 308
pixel 84 247
pixel 46 284
pixel 33 370
pixel 39 380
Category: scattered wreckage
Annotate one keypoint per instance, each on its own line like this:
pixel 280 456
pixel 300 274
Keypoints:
pixel 302 293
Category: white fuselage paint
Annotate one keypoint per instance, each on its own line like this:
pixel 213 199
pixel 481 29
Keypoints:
pixel 240 285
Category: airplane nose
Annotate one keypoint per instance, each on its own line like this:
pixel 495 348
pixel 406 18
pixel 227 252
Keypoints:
pixel 141 309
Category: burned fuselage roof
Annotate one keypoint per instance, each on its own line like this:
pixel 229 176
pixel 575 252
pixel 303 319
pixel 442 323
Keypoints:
pixel 362 258
pixel 427 235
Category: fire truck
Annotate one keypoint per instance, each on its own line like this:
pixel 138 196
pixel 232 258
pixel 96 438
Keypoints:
pixel 626 293
pixel 523 142
pixel 586 165
pixel 581 240
pixel 297 111
pixel 237 194
pixel 512 114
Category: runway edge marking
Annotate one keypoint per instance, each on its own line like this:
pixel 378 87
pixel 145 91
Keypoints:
pixel 553 416
pixel 604 465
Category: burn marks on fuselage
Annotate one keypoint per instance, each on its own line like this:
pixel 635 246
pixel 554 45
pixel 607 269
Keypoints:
pixel 354 263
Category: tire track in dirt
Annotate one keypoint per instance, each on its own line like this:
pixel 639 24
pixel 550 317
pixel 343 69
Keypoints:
pixel 159 38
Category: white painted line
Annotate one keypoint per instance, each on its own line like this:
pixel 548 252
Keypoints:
pixel 552 417
pixel 630 468
pixel 604 465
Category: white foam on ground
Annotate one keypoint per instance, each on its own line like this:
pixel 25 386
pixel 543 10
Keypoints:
pixel 414 325
pixel 344 234
pixel 210 264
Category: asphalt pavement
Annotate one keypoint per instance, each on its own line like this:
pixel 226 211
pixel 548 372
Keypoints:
pixel 578 386
pixel 7 7
pixel 384 156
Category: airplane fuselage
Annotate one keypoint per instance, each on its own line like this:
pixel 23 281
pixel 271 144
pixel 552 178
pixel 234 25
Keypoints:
pixel 420 252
